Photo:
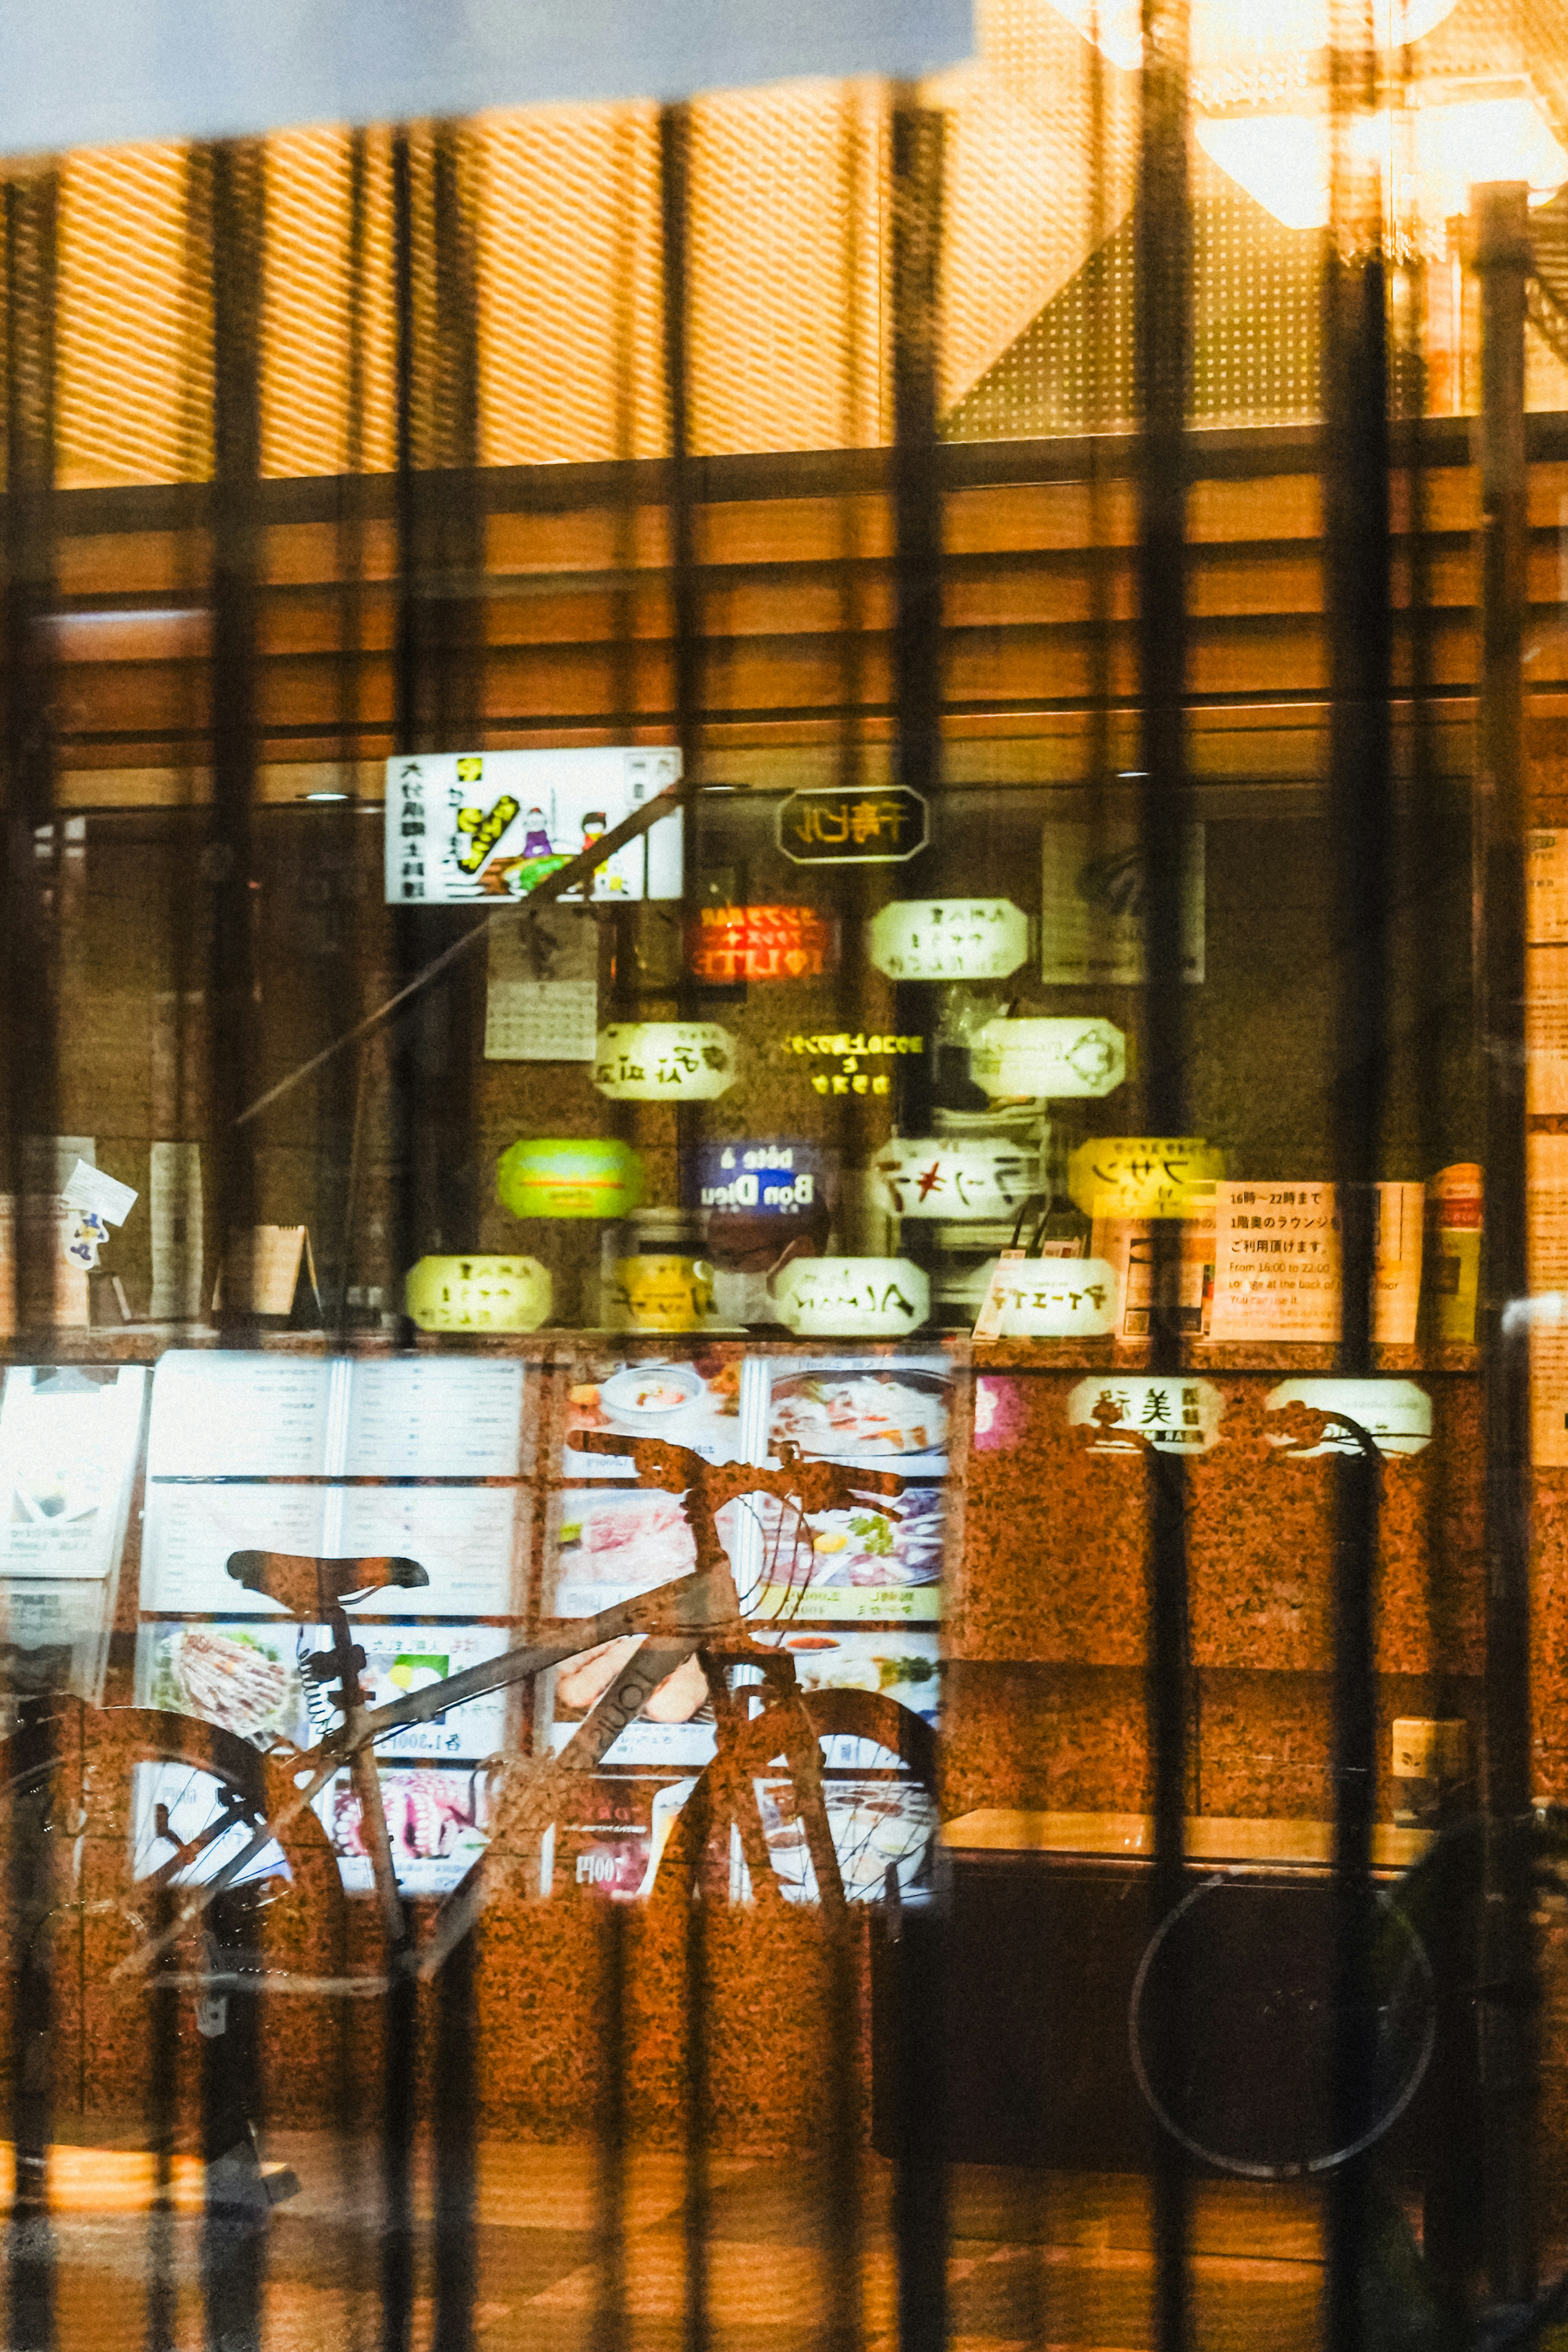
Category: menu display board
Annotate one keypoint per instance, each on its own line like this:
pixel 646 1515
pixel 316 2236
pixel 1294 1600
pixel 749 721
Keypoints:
pixel 236 1415
pixel 69 1436
pixel 439 1823
pixel 695 1403
pixel 252 1679
pixel 471 1541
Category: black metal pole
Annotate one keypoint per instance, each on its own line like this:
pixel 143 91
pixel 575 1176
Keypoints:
pixel 1162 335
pixel 1500 253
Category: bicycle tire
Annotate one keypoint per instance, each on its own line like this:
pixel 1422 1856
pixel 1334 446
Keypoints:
pixel 90 1937
pixel 698 1855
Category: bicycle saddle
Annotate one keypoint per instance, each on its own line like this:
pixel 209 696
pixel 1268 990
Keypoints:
pixel 309 1588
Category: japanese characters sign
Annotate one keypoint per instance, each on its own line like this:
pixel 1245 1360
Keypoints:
pixel 850 1051
pixel 1179 1415
pixel 959 1182
pixel 1145 1176
pixel 664 1061
pixel 570 1176
pixel 835 827
pixel 1277 1262
pixel 826 1298
pixel 489 826
pixel 736 943
pixel 660 1293
pixel 950 938
pixel 775 1179
pixel 478 1293
pixel 1396 1415
pixel 1092 906
pixel 1052 1057
pixel 1546 1202
pixel 1047 1299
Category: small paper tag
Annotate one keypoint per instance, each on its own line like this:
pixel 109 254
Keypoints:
pixel 84 1234
pixel 88 1188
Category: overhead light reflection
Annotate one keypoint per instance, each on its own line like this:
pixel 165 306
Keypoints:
pixel 1429 156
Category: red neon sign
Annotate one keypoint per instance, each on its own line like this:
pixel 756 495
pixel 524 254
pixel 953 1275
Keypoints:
pixel 732 943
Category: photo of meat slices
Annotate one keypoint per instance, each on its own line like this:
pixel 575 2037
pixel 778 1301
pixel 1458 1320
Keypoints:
pixel 629 1540
pixel 231 1680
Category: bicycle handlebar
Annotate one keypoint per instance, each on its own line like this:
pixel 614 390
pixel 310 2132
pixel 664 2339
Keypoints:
pixel 816 1486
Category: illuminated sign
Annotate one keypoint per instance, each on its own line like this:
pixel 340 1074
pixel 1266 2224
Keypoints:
pixel 660 1294
pixel 664 1061
pixel 844 827
pixel 777 1180
pixel 950 938
pixel 491 825
pixel 1053 1057
pixel 568 1176
pixel 1145 1176
pixel 1396 1415
pixel 958 1182
pixel 1047 1299
pixel 826 1298
pixel 849 1051
pixel 734 944
pixel 478 1293
pixel 1178 1414
pixel 1093 885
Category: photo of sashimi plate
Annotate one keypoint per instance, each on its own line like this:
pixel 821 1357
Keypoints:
pixel 846 1414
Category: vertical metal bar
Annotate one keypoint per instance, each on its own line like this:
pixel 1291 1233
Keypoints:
pixel 921 2187
pixel 32 850
pixel 675 223
pixel 400 2015
pixel 1163 335
pixel 456 2162
pixel 1358 596
pixel 1500 237
pixel 235 190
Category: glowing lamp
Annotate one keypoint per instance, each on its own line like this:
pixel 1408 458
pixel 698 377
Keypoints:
pixel 568 1176
pixel 1055 1058
pixel 664 1061
pixel 1242 32
pixel 961 1182
pixel 1429 157
pixel 1145 1176
pixel 476 1294
pixel 950 938
pixel 870 1297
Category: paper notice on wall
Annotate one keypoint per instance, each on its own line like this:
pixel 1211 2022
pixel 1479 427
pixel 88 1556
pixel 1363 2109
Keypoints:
pixel 103 1196
pixel 1546 890
pixel 1546 1203
pixel 542 1001
pixel 175 1204
pixel 1546 1028
pixel 1092 925
pixel 1278 1263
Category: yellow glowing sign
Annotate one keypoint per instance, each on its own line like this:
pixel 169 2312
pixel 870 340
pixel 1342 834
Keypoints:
pixel 660 1294
pixel 1145 1176
pixel 832 1297
pixel 478 1293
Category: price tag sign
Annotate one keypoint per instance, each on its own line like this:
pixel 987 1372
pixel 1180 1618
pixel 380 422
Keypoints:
pixel 1145 1176
pixel 1054 1057
pixel 873 1298
pixel 664 1061
pixel 1179 1415
pixel 950 938
pixel 478 1293
pixel 959 1183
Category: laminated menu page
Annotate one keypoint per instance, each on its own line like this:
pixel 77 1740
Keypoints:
pixel 472 1542
pixel 223 1415
pixel 69 1438
pixel 1277 1273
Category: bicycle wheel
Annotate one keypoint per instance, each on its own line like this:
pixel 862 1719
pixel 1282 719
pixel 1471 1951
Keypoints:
pixel 108 1820
pixel 747 1831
